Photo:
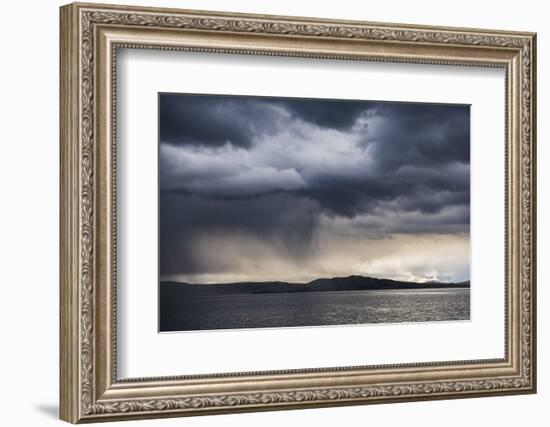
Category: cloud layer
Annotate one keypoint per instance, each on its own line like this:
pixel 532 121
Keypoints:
pixel 277 173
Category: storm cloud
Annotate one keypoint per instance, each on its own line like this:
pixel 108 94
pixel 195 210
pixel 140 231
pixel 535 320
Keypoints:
pixel 277 178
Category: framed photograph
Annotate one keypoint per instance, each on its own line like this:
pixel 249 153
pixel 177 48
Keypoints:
pixel 266 212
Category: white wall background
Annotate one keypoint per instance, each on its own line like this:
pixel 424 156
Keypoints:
pixel 29 170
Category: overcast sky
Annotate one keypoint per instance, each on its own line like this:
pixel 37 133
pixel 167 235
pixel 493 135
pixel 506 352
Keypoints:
pixel 296 189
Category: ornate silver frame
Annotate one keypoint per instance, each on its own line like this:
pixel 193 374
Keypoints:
pixel 90 36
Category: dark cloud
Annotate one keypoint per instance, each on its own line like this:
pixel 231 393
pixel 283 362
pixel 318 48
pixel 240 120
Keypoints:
pixel 385 221
pixel 217 120
pixel 332 114
pixel 212 120
pixel 426 190
pixel 286 222
pixel 270 168
pixel 421 135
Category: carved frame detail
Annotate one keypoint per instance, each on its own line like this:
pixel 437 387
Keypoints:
pixel 80 400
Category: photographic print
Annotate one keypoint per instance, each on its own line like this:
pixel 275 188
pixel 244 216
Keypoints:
pixel 292 212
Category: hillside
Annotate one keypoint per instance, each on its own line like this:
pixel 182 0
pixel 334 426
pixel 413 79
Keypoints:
pixel 171 290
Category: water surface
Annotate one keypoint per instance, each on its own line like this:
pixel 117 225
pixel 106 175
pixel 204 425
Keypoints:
pixel 314 309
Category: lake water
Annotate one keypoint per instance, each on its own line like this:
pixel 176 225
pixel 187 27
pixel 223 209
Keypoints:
pixel 314 309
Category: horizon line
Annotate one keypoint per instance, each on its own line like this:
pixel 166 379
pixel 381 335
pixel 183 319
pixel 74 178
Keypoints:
pixel 319 278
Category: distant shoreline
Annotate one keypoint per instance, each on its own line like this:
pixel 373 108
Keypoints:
pixel 170 289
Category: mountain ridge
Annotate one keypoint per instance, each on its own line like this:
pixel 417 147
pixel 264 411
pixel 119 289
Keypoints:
pixel 172 289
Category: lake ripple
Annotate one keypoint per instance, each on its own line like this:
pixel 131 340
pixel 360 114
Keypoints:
pixel 314 309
